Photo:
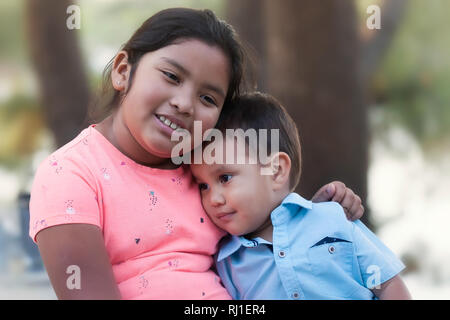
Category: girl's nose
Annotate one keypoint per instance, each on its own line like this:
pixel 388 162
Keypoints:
pixel 184 102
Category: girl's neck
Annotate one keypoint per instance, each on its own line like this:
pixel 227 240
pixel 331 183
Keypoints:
pixel 120 137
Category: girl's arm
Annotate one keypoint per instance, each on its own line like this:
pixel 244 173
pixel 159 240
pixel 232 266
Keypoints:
pixel 393 289
pixel 81 246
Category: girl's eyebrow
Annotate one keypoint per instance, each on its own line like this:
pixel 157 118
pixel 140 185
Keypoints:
pixel 176 65
pixel 215 89
pixel 187 73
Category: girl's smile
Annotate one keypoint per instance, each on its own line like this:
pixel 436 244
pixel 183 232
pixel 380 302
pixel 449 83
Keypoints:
pixel 169 124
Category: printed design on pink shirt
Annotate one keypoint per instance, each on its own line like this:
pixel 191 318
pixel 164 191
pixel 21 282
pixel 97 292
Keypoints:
pixel 143 284
pixel 173 264
pixel 105 174
pixel 123 163
pixel 177 181
pixel 53 162
pixel 169 226
pixel 137 240
pixel 42 223
pixel 70 210
pixel 153 199
pixel 69 207
pixel 86 141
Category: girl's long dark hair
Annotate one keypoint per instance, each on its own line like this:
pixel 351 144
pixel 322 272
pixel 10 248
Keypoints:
pixel 163 29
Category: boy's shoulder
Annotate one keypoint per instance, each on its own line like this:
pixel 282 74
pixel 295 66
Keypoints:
pixel 320 220
pixel 329 212
pixel 299 207
pixel 316 209
pixel 329 208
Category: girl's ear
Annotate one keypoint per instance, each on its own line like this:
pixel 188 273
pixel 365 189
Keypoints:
pixel 281 168
pixel 120 71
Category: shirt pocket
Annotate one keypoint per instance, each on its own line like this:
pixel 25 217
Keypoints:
pixel 332 261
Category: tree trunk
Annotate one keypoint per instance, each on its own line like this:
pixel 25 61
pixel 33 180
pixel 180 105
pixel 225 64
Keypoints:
pixel 312 53
pixel 247 17
pixel 60 72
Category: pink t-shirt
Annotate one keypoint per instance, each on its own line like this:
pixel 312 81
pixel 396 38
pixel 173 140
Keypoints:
pixel 158 237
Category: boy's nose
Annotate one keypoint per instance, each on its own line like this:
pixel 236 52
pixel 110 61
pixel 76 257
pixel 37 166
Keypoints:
pixel 217 199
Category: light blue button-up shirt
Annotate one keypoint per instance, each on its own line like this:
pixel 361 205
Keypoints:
pixel 316 254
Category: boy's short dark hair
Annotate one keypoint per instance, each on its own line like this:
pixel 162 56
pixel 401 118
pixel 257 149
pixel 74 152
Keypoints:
pixel 258 110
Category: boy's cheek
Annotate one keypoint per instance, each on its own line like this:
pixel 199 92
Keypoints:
pixel 206 207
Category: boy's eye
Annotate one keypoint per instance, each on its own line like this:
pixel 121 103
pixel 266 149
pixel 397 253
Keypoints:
pixel 208 99
pixel 171 76
pixel 225 178
pixel 202 186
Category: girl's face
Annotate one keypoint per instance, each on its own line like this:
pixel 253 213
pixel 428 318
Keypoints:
pixel 172 87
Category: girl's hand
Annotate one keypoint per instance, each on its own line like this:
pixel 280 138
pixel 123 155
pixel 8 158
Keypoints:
pixel 337 191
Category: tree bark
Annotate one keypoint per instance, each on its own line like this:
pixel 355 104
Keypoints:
pixel 248 19
pixel 60 71
pixel 313 67
pixel 311 53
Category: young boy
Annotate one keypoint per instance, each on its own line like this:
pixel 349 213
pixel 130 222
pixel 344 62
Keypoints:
pixel 283 246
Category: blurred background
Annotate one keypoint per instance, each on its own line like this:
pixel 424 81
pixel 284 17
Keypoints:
pixel 372 106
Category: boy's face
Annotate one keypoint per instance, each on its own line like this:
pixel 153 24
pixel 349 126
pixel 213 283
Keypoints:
pixel 236 196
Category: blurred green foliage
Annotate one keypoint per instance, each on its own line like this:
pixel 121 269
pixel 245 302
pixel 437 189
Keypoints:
pixel 12 34
pixel 21 125
pixel 413 83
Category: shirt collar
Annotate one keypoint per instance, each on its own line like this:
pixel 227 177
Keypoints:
pixel 290 206
pixel 230 244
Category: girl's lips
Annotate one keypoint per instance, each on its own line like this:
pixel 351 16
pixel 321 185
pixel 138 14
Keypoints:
pixel 167 129
pixel 164 128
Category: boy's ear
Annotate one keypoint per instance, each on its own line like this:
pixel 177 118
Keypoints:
pixel 120 71
pixel 281 168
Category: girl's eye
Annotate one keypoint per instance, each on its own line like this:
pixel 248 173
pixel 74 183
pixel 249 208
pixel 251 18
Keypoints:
pixel 225 178
pixel 171 76
pixel 209 100
pixel 202 186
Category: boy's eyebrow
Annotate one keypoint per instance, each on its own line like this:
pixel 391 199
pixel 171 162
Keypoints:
pixel 187 73
pixel 221 168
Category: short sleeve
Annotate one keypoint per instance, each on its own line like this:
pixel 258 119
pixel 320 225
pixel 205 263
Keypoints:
pixel 377 262
pixel 63 192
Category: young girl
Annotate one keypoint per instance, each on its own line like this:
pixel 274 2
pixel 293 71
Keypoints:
pixel 112 215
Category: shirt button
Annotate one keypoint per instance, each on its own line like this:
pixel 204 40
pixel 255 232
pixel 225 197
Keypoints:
pixel 281 254
pixel 331 249
pixel 295 295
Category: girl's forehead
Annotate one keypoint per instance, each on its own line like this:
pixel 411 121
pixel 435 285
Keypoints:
pixel 192 47
pixel 195 58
